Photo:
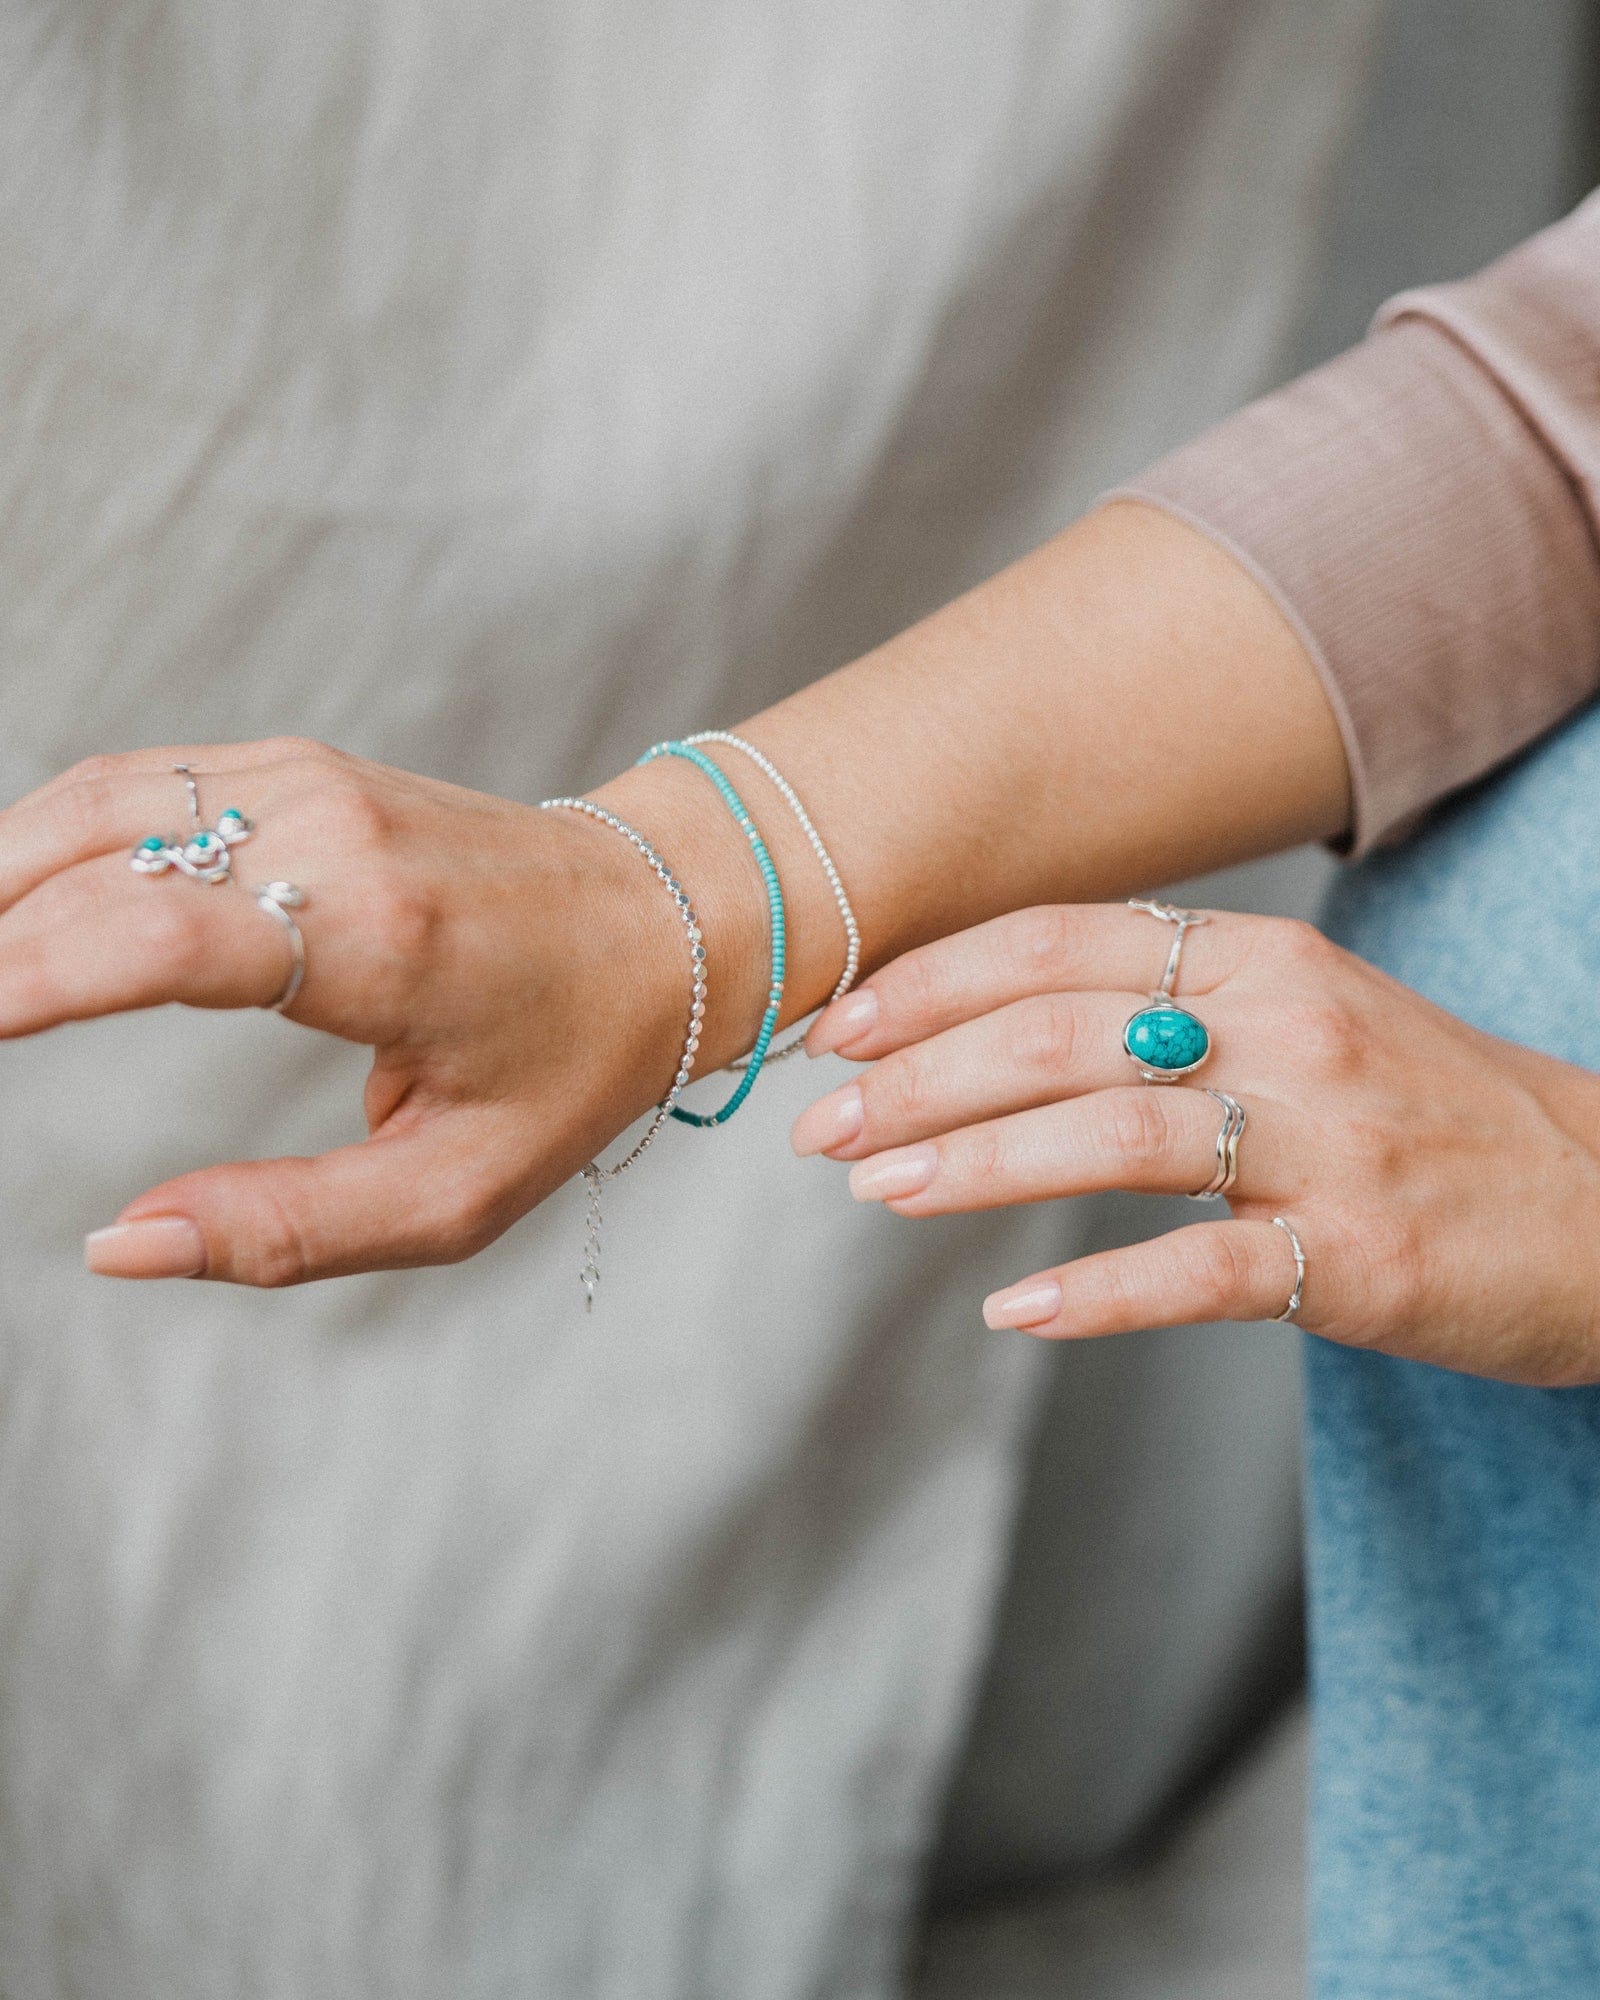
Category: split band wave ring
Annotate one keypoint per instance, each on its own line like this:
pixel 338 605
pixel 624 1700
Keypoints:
pixel 206 855
pixel 1228 1137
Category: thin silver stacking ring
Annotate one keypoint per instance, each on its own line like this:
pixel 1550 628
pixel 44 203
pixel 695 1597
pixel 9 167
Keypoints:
pixel 1232 1131
pixel 1183 922
pixel 1282 1222
pixel 278 899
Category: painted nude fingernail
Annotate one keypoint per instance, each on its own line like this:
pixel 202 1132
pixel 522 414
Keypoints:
pixel 161 1246
pixel 846 1021
pixel 892 1175
pixel 832 1121
pixel 1031 1303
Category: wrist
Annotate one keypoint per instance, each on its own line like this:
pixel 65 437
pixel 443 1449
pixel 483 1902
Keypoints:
pixel 677 808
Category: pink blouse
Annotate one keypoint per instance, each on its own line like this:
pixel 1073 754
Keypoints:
pixel 1426 511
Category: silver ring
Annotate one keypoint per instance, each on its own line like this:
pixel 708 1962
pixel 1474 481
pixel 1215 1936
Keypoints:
pixel 278 899
pixel 1233 1124
pixel 1282 1222
pixel 206 855
pixel 1164 1040
pixel 1185 921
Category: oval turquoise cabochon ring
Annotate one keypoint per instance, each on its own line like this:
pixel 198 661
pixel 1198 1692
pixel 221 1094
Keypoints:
pixel 1166 1042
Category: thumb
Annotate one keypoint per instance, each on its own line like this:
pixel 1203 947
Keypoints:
pixel 428 1195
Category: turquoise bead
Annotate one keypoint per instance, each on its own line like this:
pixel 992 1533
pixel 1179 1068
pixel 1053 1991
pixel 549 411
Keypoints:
pixel 777 930
pixel 153 845
pixel 1169 1039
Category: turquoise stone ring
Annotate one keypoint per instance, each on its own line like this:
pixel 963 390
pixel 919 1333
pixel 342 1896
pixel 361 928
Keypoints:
pixel 1166 1041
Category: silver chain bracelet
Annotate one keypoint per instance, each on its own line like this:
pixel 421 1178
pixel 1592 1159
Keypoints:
pixel 595 1175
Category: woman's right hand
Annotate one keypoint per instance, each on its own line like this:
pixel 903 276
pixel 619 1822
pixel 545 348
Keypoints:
pixel 520 976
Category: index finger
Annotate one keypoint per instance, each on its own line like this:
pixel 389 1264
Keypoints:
pixel 108 802
pixel 1056 948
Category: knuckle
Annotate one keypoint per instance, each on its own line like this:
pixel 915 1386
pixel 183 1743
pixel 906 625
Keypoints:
pixel 1218 1269
pixel 895 1092
pixel 912 991
pixel 1043 937
pixel 353 813
pixel 1109 1290
pixel 1388 1259
pixel 1133 1125
pixel 1380 1149
pixel 87 793
pixel 1295 943
pixel 1044 1034
pixel 1323 1035
pixel 175 932
pixel 31 990
pixel 273 1252
pixel 980 1158
pixel 468 1218
pixel 98 769
pixel 298 750
pixel 404 919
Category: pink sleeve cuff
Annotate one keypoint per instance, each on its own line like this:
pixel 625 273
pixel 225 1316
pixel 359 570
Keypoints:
pixel 1424 512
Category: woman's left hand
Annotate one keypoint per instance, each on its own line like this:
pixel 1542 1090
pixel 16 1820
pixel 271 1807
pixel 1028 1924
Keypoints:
pixel 1445 1185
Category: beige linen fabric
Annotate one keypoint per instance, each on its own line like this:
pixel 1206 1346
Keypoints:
pixel 491 389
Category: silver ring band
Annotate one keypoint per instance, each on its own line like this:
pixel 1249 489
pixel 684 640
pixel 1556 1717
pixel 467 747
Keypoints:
pixel 1234 1121
pixel 1282 1222
pixel 278 899
pixel 1185 920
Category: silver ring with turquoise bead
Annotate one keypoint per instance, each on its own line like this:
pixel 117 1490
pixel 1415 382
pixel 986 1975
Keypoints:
pixel 206 855
pixel 1165 1040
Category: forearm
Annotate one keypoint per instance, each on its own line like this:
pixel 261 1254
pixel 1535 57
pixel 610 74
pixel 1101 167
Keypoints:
pixel 1123 707
pixel 1127 705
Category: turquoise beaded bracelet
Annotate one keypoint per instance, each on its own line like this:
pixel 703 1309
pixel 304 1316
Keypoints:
pixel 769 875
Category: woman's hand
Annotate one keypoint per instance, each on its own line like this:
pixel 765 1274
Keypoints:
pixel 519 975
pixel 1445 1184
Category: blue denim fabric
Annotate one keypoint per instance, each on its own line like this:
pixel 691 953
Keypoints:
pixel 1455 1523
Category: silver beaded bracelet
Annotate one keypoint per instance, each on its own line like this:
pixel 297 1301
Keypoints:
pixel 852 933
pixel 595 1175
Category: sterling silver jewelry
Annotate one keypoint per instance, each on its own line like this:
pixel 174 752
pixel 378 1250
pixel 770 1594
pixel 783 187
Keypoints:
pixel 1233 1124
pixel 207 854
pixel 1185 920
pixel 847 916
pixel 1282 1222
pixel 1164 1040
pixel 595 1175
pixel 278 899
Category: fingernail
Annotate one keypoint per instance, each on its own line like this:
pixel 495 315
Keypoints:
pixel 892 1175
pixel 1031 1303
pixel 833 1120
pixel 846 1021
pixel 162 1246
